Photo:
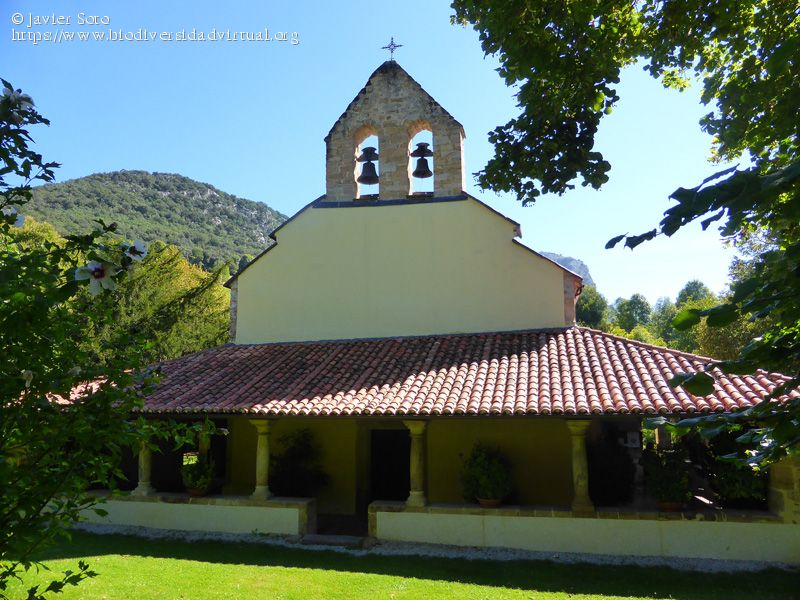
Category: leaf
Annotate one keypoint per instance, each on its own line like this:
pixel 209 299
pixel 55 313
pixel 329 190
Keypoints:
pixel 614 241
pixel 635 240
pixel 699 384
pixel 722 315
pixel 686 319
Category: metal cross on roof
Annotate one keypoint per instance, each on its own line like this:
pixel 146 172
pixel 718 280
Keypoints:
pixel 391 47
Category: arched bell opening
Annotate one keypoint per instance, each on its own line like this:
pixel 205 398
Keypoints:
pixel 420 164
pixel 367 169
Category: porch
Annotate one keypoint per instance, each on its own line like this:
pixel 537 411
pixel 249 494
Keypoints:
pixel 399 480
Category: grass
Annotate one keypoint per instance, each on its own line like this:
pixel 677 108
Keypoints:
pixel 131 567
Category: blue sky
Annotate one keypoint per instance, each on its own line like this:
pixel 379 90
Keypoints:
pixel 250 117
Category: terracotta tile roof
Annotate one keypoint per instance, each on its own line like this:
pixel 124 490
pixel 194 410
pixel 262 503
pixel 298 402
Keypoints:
pixel 574 371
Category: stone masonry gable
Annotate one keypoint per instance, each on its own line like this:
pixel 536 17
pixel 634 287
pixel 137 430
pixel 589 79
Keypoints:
pixel 394 107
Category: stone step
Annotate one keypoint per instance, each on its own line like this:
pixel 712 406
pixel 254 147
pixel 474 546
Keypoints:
pixel 319 539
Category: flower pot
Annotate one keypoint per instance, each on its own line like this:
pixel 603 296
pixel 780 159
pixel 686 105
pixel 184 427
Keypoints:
pixel 489 502
pixel 197 492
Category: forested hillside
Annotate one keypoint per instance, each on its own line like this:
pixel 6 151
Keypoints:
pixel 208 225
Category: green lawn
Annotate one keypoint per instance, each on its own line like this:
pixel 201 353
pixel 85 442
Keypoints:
pixel 131 567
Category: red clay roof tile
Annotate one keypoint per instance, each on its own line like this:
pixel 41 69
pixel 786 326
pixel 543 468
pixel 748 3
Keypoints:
pixel 573 371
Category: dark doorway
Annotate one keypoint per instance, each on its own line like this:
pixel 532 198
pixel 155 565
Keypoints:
pixel 389 464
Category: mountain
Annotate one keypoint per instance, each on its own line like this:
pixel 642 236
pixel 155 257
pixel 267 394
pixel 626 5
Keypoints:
pixel 208 225
pixel 573 264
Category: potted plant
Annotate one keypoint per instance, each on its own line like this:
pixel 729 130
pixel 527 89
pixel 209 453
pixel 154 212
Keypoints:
pixel 666 476
pixel 486 476
pixel 197 473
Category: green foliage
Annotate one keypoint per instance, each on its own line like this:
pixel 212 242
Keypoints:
pixel 297 470
pixel 197 472
pixel 627 314
pixel 209 226
pixel 486 474
pixel 592 308
pixel 641 333
pixel 694 290
pixel 666 474
pixel 51 451
pixel 566 58
pixel 177 307
pixel 734 485
pixel 65 416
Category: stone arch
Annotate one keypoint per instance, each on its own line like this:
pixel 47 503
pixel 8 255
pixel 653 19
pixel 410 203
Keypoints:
pixel 413 129
pixel 361 134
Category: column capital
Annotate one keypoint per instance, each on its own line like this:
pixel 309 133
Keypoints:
pixel 262 425
pixel 578 427
pixel 416 427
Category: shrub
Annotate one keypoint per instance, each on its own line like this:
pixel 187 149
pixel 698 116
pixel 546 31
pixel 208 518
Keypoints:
pixel 197 472
pixel 666 474
pixel 486 474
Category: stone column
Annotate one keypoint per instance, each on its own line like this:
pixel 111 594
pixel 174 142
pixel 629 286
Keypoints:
pixel 416 496
pixel 145 461
pixel 581 503
pixel 261 491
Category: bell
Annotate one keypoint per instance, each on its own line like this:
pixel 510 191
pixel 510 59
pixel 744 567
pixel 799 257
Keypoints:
pixel 422 150
pixel 423 170
pixel 368 174
pixel 369 153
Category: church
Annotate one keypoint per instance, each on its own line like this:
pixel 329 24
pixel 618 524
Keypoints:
pixel 398 322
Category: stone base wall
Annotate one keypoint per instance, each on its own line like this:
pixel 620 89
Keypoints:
pixel 724 536
pixel 281 516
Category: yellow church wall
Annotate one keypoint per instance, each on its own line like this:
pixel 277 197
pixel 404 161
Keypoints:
pixel 396 270
pixel 338 439
pixel 539 451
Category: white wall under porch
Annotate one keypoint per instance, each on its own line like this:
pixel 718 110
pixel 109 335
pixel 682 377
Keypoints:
pixel 725 536
pixel 280 516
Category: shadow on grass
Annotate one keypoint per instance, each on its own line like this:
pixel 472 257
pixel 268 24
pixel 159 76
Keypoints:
pixel 541 576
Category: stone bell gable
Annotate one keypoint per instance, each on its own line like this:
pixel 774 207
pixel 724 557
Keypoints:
pixel 393 107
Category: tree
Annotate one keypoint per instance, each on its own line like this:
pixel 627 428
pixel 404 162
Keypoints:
pixel 50 452
pixel 592 308
pixel 176 306
pixel 692 291
pixel 565 57
pixel 631 312
pixel 64 419
pixel 661 317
